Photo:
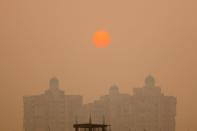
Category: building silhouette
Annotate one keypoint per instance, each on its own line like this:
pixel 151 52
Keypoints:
pixel 148 109
pixel 49 111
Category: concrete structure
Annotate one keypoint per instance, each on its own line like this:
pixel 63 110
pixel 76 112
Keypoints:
pixel 51 111
pixel 146 110
pixel 91 126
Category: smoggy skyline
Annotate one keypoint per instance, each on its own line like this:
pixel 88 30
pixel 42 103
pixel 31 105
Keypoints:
pixel 42 39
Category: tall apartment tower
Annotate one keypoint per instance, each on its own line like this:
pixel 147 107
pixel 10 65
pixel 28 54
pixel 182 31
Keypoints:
pixel 146 110
pixel 52 110
pixel 152 110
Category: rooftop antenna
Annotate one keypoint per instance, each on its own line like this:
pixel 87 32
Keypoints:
pixel 90 119
pixel 49 128
pixel 76 120
pixel 109 128
pixel 103 120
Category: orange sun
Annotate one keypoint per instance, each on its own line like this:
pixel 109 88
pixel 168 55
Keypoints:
pixel 101 39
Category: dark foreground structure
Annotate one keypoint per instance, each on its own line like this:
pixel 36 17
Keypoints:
pixel 91 127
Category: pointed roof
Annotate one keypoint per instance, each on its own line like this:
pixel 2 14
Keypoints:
pixel 54 83
pixel 150 81
pixel 114 89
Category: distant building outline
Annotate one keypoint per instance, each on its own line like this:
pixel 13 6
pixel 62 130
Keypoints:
pixel 147 109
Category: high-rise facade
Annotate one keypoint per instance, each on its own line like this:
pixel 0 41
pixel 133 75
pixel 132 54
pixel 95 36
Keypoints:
pixel 51 111
pixel 148 109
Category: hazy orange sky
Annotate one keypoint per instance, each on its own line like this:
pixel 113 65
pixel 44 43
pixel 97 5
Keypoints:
pixel 40 39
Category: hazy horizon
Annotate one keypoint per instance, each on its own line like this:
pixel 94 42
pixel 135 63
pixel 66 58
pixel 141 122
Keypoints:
pixel 42 39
